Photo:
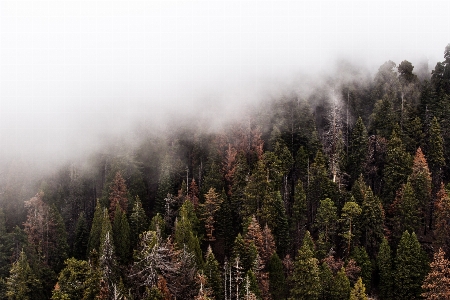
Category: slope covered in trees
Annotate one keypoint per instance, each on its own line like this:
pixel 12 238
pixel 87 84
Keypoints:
pixel 316 197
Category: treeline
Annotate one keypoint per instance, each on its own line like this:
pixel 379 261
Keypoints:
pixel 338 195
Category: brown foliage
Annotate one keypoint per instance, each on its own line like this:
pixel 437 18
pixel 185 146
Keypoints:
pixel 117 195
pixel 437 282
pixel 442 226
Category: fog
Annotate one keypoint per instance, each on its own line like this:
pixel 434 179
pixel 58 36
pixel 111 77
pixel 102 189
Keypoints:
pixel 74 74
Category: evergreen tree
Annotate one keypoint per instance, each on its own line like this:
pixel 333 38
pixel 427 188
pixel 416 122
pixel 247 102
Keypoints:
pixel 157 224
pixel 420 179
pixel 437 283
pixel 372 222
pixel 121 235
pixel 118 195
pixel 326 224
pixel 341 288
pixel 305 278
pixel 442 215
pixel 96 229
pixel 214 280
pixel 209 209
pixel 435 151
pixel 73 280
pixel 349 215
pixel 397 167
pixel 299 214
pixel 138 222
pixel 407 214
pixel 385 270
pixel 326 281
pixel 81 237
pixel 410 268
pixel 363 261
pixel 22 283
pixel 359 291
pixel 357 150
pixel 276 277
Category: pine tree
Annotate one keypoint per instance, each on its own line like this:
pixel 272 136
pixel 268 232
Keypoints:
pixel 359 291
pixel 81 237
pixel 435 152
pixel 214 280
pixel 326 224
pixel 384 264
pixel 349 215
pixel 410 268
pixel 138 222
pixel 420 179
pixel 96 229
pixel 73 280
pixel 22 283
pixel 363 261
pixel 305 278
pixel 397 167
pixel 277 280
pixel 299 214
pixel 437 283
pixel 326 281
pixel 357 150
pixel 268 245
pixel 442 215
pixel 209 209
pixel 118 195
pixel 121 235
pixel 372 222
pixel 341 288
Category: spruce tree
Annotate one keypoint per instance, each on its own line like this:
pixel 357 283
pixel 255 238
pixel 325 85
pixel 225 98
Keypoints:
pixel 326 281
pixel 372 222
pixel 299 214
pixel 357 150
pixel 96 229
pixel 349 216
pixel 363 261
pixel 305 278
pixel 326 224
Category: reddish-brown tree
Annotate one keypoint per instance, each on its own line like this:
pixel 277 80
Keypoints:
pixel 442 215
pixel 437 282
pixel 117 195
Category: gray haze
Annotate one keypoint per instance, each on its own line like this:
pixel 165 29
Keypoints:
pixel 75 73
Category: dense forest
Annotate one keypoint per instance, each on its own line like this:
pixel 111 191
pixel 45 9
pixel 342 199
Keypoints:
pixel 338 194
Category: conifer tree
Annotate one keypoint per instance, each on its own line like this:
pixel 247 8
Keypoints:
pixel 305 278
pixel 435 152
pixel 96 229
pixel 442 215
pixel 138 222
pixel 118 195
pixel 341 287
pixel 214 279
pixel 420 179
pixel 384 264
pixel 268 245
pixel 349 215
pixel 81 237
pixel 397 167
pixel 326 281
pixel 406 211
pixel 357 150
pixel 299 214
pixel 437 283
pixel 372 222
pixel 326 224
pixel 410 268
pixel 277 280
pixel 363 261
pixel 359 291
pixel 209 209
pixel 22 283
pixel 121 236
pixel 158 225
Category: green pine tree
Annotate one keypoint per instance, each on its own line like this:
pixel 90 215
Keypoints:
pixel 357 150
pixel 121 236
pixel 305 278
pixel 277 280
pixel 363 261
pixel 22 283
pixel 359 291
pixel 138 222
pixel 384 265
pixel 81 237
pixel 96 229
pixel 214 279
pixel 341 286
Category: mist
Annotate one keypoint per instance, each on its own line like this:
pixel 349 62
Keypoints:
pixel 75 75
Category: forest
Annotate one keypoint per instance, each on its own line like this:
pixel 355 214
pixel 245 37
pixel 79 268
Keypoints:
pixel 341 193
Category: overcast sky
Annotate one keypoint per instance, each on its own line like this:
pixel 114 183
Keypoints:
pixel 72 72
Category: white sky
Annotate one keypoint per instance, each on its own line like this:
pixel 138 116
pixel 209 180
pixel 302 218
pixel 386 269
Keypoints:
pixel 71 71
